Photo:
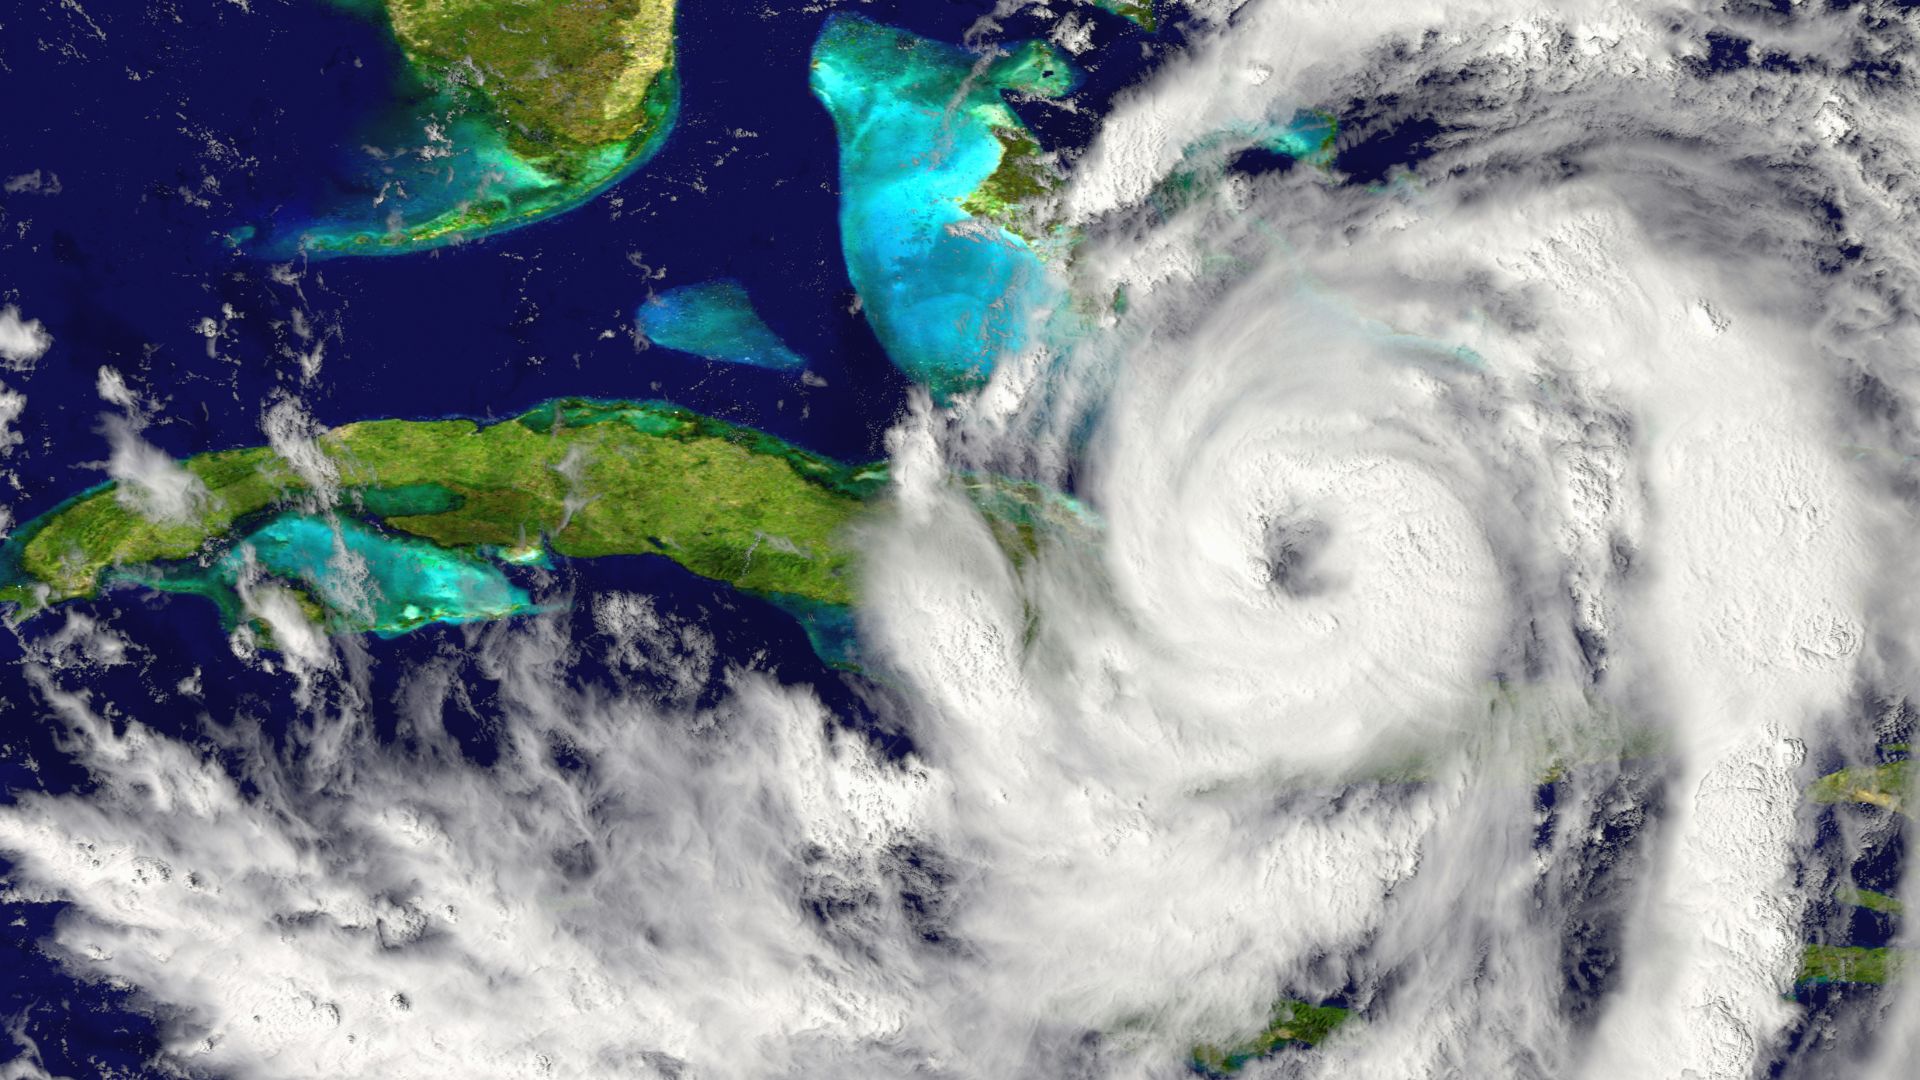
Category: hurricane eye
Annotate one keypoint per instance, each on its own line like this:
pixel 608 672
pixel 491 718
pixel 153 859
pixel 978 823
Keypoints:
pixel 1294 550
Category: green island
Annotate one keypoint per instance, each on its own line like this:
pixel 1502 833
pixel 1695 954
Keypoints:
pixel 1292 1023
pixel 576 477
pixel 1884 785
pixel 423 515
pixel 1848 964
pixel 535 106
pixel 1011 195
pixel 1879 787
pixel 1138 12
pixel 1872 901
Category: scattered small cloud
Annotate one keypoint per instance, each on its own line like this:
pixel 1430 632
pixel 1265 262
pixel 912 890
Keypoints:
pixel 112 388
pixel 22 341
pixel 294 435
pixel 32 183
pixel 12 404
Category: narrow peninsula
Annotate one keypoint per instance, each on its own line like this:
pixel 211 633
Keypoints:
pixel 527 108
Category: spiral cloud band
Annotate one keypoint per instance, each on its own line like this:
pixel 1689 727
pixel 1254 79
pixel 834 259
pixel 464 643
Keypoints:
pixel 1490 537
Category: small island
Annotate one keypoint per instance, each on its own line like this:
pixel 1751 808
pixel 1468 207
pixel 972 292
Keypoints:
pixel 1290 1023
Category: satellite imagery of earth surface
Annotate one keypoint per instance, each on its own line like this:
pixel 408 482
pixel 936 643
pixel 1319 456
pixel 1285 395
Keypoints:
pixel 1064 539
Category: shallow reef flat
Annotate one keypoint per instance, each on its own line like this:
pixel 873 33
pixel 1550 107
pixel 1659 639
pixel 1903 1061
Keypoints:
pixel 348 577
pixel 937 173
pixel 715 320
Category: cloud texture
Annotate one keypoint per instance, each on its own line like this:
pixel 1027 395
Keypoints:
pixel 1578 445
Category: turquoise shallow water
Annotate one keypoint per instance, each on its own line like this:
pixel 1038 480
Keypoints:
pixel 919 132
pixel 398 189
pixel 365 580
pixel 1308 136
pixel 716 320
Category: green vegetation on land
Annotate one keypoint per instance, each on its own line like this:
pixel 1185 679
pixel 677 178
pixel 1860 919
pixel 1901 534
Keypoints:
pixel 1140 12
pixel 561 76
pixel 1883 785
pixel 584 478
pixel 1009 197
pixel 1872 901
pixel 1292 1022
pixel 532 106
pixel 1848 964
pixel 65 550
pixel 577 477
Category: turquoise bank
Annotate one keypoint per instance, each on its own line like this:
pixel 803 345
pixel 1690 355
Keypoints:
pixel 1139 12
pixel 357 578
pixel 923 137
pixel 1308 136
pixel 716 320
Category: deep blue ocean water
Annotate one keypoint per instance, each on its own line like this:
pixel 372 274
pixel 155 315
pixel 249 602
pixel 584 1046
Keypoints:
pixel 169 125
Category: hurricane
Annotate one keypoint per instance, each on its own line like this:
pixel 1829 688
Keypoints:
pixel 1372 540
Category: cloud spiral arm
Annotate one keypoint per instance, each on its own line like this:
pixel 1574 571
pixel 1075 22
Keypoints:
pixel 1580 447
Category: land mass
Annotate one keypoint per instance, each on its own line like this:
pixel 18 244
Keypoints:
pixel 531 106
pixel 393 524
pixel 1292 1023
pixel 940 181
pixel 580 478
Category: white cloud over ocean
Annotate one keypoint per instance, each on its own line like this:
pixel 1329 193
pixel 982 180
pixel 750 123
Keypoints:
pixel 23 341
pixel 1583 448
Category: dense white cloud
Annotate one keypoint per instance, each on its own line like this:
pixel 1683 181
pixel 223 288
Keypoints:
pixel 12 404
pixel 23 341
pixel 150 481
pixel 520 920
pixel 1583 449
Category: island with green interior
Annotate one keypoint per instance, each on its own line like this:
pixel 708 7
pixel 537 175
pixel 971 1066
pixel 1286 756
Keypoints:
pixel 571 477
pixel 1290 1023
pixel 1138 12
pixel 395 524
pixel 1877 789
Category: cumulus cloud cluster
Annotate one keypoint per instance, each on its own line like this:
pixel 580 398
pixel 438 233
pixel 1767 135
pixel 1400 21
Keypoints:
pixel 1579 448
pixel 23 341
pixel 12 404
